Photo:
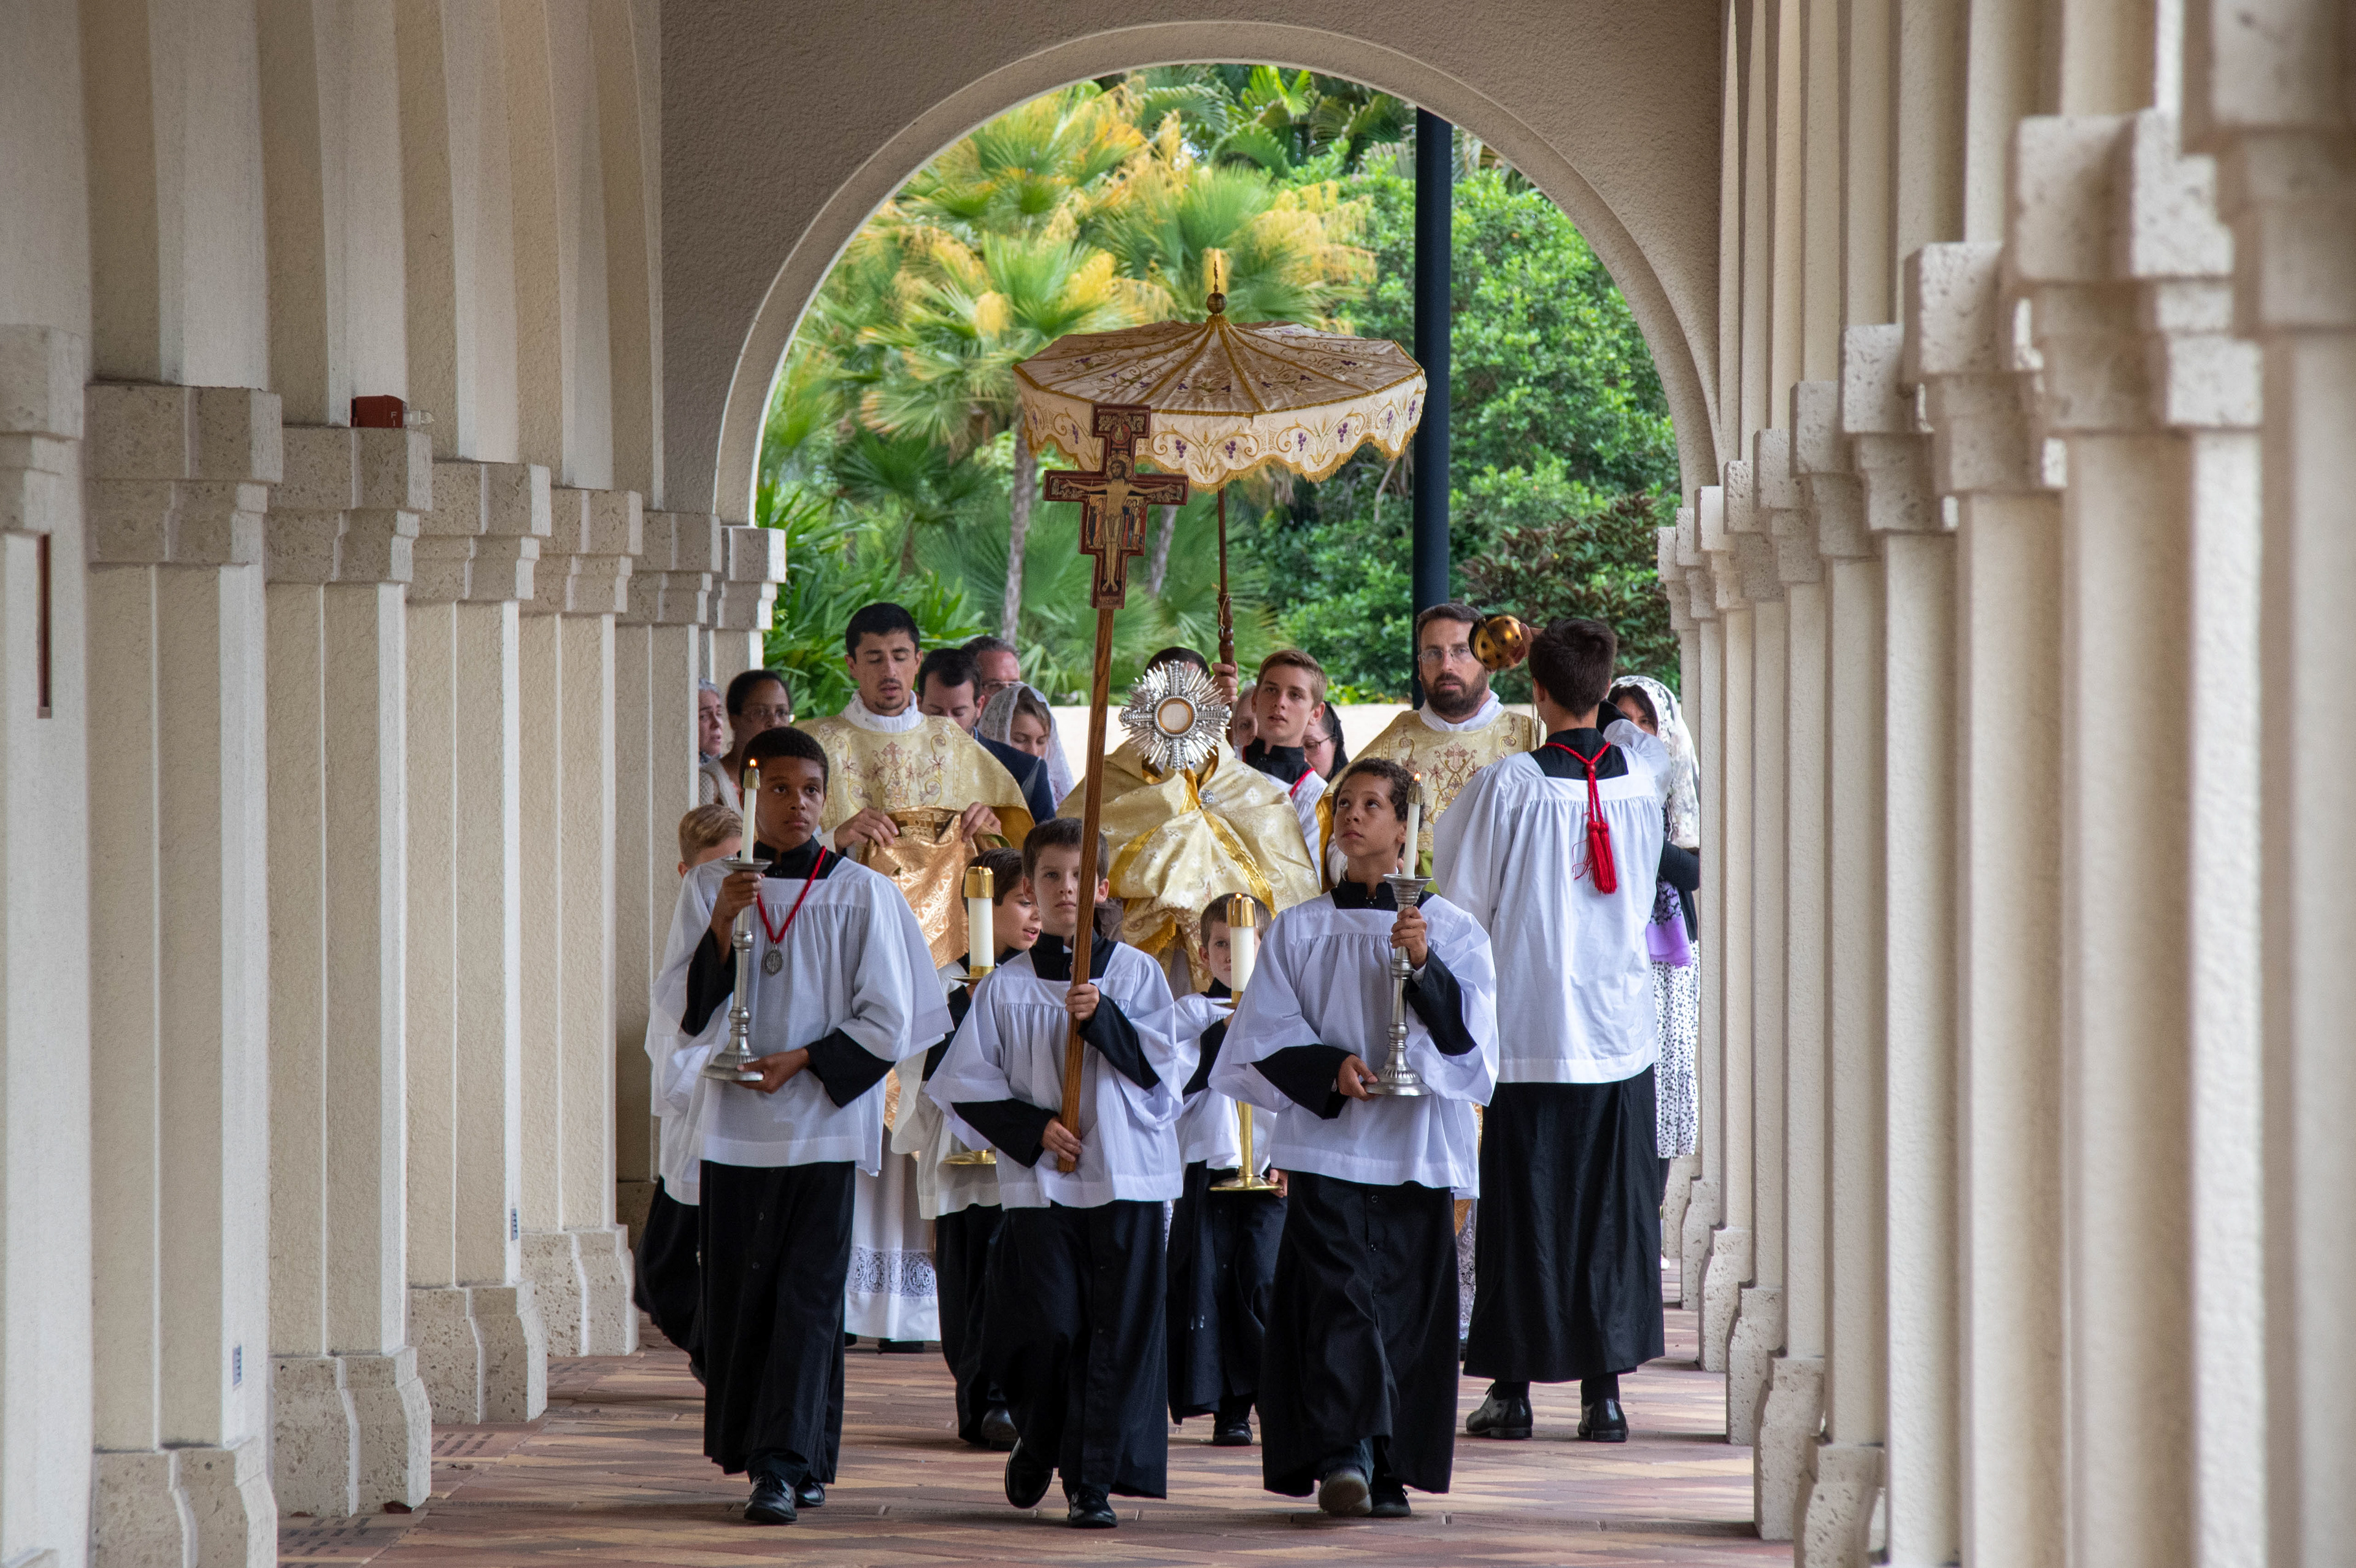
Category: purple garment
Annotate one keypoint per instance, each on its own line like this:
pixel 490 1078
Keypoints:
pixel 1664 938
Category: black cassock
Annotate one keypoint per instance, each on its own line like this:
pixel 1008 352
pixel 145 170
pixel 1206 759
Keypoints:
pixel 668 1287
pixel 1566 1256
pixel 1361 1345
pixel 777 1250
pixel 962 1241
pixel 1222 1274
pixel 1076 1341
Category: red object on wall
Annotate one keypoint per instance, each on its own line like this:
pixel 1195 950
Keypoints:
pixel 377 414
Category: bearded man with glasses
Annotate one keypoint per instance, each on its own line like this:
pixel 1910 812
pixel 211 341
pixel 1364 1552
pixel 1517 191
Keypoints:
pixel 1462 727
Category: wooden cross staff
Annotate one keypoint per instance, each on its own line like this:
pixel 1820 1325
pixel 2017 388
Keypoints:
pixel 1114 501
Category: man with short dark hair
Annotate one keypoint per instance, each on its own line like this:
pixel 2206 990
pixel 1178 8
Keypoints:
pixel 1287 698
pixel 949 687
pixel 1555 853
pixel 1462 727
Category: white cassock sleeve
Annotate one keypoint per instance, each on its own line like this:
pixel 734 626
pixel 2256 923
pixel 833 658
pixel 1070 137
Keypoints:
pixel 1469 847
pixel 691 918
pixel 896 1006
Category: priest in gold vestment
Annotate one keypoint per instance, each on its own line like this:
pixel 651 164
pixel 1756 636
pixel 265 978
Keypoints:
pixel 1462 727
pixel 1180 840
pixel 910 796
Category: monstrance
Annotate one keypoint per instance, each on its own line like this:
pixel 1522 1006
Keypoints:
pixel 1177 716
pixel 1225 399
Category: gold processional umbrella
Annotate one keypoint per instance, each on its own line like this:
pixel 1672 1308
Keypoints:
pixel 1206 402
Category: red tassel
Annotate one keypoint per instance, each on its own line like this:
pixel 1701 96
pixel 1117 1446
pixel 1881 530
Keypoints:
pixel 1602 867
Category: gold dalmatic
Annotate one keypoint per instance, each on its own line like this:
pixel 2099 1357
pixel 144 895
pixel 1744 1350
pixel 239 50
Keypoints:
pixel 1449 758
pixel 1180 839
pixel 923 779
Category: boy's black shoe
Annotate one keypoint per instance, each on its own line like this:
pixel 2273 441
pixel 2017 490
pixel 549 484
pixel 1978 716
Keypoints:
pixel 809 1494
pixel 771 1504
pixel 1026 1478
pixel 1230 1431
pixel 1501 1416
pixel 898 1346
pixel 1389 1499
pixel 1604 1421
pixel 1342 1492
pixel 1090 1509
pixel 998 1430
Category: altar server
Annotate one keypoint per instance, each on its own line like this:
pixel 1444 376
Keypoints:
pixel 1287 700
pixel 842 987
pixel 960 1199
pixel 1222 1244
pixel 1357 1387
pixel 1556 853
pixel 1081 1359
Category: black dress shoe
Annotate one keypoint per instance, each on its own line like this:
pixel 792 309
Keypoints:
pixel 1236 1434
pixel 1090 1509
pixel 898 1346
pixel 1026 1478
pixel 1389 1499
pixel 771 1504
pixel 1500 1415
pixel 809 1494
pixel 998 1429
pixel 1604 1421
pixel 1342 1492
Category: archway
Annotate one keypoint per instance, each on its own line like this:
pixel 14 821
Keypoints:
pixel 1646 198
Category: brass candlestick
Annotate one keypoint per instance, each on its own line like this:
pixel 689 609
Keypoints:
pixel 1395 1077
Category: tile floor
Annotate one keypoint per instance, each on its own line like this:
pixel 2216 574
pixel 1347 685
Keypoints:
pixel 614 1473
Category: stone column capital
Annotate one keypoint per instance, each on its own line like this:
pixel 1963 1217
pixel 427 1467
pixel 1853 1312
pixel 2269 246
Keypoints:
pixel 1872 413
pixel 180 475
pixel 347 509
pixel 481 538
pixel 1739 488
pixel 1971 370
pixel 594 538
pixel 671 585
pixel 1688 529
pixel 756 564
pixel 42 369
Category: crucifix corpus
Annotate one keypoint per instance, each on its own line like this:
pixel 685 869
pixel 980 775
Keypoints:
pixel 1114 501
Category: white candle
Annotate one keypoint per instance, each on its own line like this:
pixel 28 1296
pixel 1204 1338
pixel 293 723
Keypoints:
pixel 980 937
pixel 1243 944
pixel 748 799
pixel 1414 824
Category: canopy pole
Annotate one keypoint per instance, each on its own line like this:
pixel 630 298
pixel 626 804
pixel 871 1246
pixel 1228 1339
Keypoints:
pixel 1226 606
pixel 1435 150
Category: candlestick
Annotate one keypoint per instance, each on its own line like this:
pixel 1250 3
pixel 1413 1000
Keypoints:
pixel 1414 824
pixel 980 937
pixel 734 1064
pixel 1243 942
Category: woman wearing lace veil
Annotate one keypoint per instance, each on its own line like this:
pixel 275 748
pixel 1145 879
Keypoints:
pixel 1019 715
pixel 1674 933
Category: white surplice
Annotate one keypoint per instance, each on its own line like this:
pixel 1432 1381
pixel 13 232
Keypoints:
pixel 1011 1048
pixel 1206 1126
pixel 1575 996
pixel 923 1133
pixel 855 959
pixel 1325 978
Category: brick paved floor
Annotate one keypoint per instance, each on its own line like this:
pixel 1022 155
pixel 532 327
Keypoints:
pixel 614 1473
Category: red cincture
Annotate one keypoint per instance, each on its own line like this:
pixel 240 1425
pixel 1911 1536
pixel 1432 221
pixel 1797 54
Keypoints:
pixel 1600 862
pixel 777 938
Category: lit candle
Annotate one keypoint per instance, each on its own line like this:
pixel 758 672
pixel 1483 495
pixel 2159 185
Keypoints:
pixel 1414 824
pixel 980 938
pixel 748 794
pixel 1242 941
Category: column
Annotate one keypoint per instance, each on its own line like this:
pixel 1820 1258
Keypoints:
pixel 1988 469
pixel 574 1253
pixel 1729 1244
pixel 1703 1211
pixel 482 1348
pixel 1759 1320
pixel 178 480
pixel 656 667
pixel 2126 741
pixel 44 953
pixel 2268 92
pixel 353 1422
pixel 1791 1416
pixel 1873 416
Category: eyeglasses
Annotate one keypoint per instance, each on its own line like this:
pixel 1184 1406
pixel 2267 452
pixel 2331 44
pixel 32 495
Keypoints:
pixel 1443 656
pixel 783 713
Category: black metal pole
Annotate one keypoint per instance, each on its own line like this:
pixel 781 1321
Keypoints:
pixel 1435 175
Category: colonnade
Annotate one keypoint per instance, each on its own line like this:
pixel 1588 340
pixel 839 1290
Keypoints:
pixel 2015 633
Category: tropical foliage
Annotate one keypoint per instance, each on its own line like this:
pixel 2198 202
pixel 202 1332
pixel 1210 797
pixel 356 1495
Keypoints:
pixel 893 457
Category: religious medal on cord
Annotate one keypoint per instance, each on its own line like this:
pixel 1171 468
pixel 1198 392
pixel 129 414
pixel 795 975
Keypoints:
pixel 774 961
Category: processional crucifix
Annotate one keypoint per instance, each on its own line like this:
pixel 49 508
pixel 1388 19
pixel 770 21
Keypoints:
pixel 1115 502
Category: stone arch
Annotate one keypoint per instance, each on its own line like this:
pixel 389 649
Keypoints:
pixel 722 362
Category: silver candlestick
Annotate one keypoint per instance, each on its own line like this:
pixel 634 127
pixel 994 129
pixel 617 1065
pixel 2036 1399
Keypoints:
pixel 1395 1077
pixel 734 1064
